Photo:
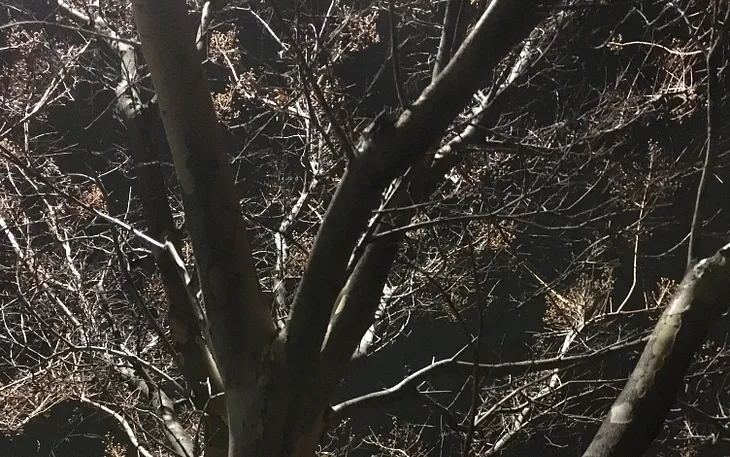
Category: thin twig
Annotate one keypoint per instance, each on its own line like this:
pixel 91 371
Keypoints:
pixel 711 59
pixel 344 141
pixel 134 43
pixel 394 56
pixel 123 422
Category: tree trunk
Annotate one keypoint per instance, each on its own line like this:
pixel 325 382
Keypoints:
pixel 278 386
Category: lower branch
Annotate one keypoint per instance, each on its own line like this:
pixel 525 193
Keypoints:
pixel 409 385
pixel 178 438
pixel 123 423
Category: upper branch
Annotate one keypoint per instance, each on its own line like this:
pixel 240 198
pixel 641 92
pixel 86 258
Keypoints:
pixel 385 152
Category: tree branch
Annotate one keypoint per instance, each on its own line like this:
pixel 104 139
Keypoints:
pixel 448 35
pixel 713 93
pixel 384 152
pixel 239 321
pixel 178 437
pixel 638 413
pixel 147 143
pixel 409 385
pixel 133 440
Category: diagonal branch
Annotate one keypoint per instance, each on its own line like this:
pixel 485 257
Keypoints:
pixel 385 151
pixel 180 440
pixel 638 413
pixel 358 301
pixel 133 440
pixel 409 385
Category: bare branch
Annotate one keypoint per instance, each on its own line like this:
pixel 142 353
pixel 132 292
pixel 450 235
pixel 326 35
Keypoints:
pixel 713 93
pixel 133 440
pixel 639 411
pixel 409 385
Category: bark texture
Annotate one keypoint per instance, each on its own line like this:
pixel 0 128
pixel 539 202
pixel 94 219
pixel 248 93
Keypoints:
pixel 638 413
pixel 239 324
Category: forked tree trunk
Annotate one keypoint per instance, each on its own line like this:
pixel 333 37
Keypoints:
pixel 278 385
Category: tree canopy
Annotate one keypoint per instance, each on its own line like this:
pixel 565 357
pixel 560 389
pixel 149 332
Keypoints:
pixel 364 227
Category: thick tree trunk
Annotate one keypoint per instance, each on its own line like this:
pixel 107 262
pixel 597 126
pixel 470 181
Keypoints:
pixel 636 417
pixel 277 386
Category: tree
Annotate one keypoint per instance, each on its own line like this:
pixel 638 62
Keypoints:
pixel 277 386
pixel 278 381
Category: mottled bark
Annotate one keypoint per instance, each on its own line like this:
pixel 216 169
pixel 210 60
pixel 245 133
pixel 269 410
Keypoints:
pixel 239 324
pixel 147 143
pixel 638 413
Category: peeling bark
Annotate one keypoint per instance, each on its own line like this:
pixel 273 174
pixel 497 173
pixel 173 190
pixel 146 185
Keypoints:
pixel 638 413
